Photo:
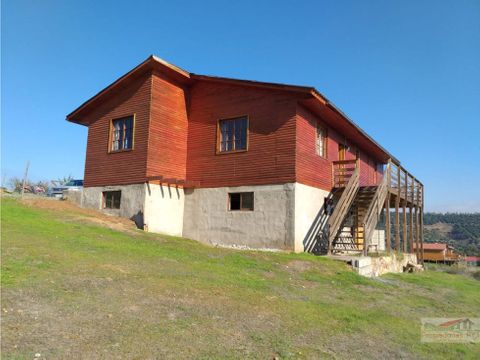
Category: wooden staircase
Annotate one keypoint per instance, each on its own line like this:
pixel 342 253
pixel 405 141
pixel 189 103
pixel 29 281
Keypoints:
pixel 352 223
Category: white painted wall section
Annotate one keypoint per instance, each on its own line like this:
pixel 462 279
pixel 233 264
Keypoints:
pixel 164 209
pixel 308 203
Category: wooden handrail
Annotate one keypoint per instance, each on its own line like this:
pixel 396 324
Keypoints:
pixel 405 184
pixel 375 209
pixel 343 162
pixel 342 170
pixel 342 207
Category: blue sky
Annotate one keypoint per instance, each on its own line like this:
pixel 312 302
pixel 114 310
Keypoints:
pixel 408 72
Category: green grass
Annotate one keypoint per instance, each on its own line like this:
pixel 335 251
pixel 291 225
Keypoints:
pixel 71 289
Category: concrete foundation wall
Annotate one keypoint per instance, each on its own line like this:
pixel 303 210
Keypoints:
pixel 131 203
pixel 308 203
pixel 269 226
pixel 164 209
pixel 74 196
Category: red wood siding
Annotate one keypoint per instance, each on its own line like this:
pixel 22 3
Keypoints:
pixel 270 158
pixel 167 146
pixel 129 167
pixel 176 132
pixel 315 170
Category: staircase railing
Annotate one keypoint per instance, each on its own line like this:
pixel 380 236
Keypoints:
pixel 343 205
pixel 375 208
pixel 342 170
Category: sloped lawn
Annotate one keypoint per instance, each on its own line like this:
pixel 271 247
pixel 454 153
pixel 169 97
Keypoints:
pixel 74 289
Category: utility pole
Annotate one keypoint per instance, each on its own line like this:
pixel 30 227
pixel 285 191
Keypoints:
pixel 25 178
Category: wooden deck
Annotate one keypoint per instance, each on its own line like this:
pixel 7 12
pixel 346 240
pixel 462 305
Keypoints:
pixel 397 190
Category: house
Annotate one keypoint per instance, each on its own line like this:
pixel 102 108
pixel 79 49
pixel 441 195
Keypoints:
pixel 242 163
pixel 439 252
pixel 472 260
pixel 458 324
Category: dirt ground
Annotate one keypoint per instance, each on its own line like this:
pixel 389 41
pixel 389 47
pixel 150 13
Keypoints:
pixel 80 214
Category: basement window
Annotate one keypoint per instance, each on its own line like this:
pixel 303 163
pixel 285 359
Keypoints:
pixel 232 135
pixel 121 134
pixel 111 199
pixel 240 201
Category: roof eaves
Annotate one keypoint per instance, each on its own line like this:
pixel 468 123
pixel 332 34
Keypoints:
pixel 327 102
pixel 279 86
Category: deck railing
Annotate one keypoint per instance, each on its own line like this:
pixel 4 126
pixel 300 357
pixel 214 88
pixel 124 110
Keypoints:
pixel 404 184
pixel 375 208
pixel 342 171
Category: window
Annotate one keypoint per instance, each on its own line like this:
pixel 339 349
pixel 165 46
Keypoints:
pixel 122 134
pixel 111 199
pixel 233 134
pixel 321 144
pixel 240 201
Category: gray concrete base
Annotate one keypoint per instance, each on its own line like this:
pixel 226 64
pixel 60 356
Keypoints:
pixel 132 201
pixel 269 226
pixel 282 217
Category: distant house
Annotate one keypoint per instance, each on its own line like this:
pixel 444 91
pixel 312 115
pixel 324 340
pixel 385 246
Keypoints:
pixel 440 253
pixel 472 260
pixel 459 324
pixel 241 163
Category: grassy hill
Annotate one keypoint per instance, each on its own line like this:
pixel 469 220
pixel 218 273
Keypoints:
pixel 76 284
pixel 460 230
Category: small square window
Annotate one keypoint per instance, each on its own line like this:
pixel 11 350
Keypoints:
pixel 240 201
pixel 111 199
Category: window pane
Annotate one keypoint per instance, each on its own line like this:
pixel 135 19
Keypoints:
pixel 122 137
pixel 108 201
pixel 127 143
pixel 111 199
pixel 247 201
pixel 233 134
pixel 321 138
pixel 241 134
pixel 116 200
pixel 235 201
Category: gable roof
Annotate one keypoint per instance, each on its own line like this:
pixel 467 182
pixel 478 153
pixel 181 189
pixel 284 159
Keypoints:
pixel 455 322
pixel 472 258
pixel 313 99
pixel 433 246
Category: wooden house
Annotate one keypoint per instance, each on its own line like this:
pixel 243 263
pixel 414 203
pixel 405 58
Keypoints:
pixel 472 260
pixel 242 163
pixel 440 253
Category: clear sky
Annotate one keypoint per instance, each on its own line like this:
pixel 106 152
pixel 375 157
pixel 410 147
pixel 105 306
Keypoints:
pixel 408 72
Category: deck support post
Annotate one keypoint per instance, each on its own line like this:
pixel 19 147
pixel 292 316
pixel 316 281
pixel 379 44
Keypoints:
pixel 404 215
pixel 421 226
pixel 397 214
pixel 417 233
pixel 388 234
pixel 410 230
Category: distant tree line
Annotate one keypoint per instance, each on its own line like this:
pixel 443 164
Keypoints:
pixel 464 235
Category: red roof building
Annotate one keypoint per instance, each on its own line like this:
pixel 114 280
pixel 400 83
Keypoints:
pixel 440 252
pixel 238 162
